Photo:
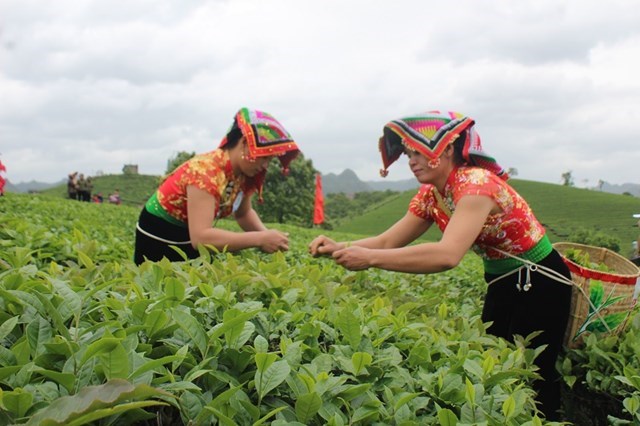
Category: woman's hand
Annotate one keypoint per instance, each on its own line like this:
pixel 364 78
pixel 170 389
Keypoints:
pixel 323 245
pixel 353 258
pixel 272 241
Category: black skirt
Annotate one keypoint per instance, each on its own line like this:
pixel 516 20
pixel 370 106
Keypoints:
pixel 544 307
pixel 148 248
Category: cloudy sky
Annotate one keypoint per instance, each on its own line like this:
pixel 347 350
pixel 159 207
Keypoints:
pixel 91 85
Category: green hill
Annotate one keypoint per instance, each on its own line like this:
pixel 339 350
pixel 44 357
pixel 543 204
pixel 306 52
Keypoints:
pixel 134 189
pixel 561 209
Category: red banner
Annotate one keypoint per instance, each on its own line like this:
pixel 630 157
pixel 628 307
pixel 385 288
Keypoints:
pixel 318 210
pixel 2 180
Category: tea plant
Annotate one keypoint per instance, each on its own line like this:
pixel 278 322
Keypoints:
pixel 88 337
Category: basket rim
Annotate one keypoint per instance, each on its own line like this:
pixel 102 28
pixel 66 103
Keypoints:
pixel 559 246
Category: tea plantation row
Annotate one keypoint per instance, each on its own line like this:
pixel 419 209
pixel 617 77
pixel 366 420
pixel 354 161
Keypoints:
pixel 87 337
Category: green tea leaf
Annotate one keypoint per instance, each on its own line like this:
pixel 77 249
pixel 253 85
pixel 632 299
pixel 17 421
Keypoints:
pixel 260 344
pixel 91 399
pixel 174 290
pixel 8 371
pixel 106 344
pixel 447 417
pixel 115 363
pixel 65 379
pixel 508 407
pixel 153 364
pixel 156 321
pixel 54 315
pixel 38 333
pixel 224 420
pixel 7 327
pixel 107 412
pixel 193 328
pixel 361 360
pixel 349 326
pixel 17 402
pixel 269 415
pixel 307 406
pixel 69 297
pixel 470 391
pixel 85 260
pixel 271 377
pixel 232 318
pixel 264 360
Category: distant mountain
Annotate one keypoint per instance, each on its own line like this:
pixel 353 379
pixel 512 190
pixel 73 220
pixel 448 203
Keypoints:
pixel 349 183
pixel 31 186
pixel 631 188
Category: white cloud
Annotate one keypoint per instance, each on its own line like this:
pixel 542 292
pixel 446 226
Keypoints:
pixel 93 85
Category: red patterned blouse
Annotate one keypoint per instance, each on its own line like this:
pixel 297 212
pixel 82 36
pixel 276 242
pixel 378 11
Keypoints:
pixel 514 230
pixel 211 172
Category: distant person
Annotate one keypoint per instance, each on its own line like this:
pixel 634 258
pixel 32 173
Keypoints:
pixel 114 197
pixel 98 198
pixel 88 189
pixel 84 188
pixel 187 205
pixel 72 186
pixel 464 192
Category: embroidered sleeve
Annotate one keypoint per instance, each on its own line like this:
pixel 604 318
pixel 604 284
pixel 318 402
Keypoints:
pixel 422 202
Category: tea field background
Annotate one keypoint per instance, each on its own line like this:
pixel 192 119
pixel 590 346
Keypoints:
pixel 563 210
pixel 87 337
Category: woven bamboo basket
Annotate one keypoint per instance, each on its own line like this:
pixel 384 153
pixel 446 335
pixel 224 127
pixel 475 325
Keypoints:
pixel 619 281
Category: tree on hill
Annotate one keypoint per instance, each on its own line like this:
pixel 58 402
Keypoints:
pixel 178 159
pixel 567 178
pixel 288 199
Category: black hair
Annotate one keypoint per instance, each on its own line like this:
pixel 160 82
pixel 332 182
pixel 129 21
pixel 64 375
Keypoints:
pixel 458 146
pixel 233 137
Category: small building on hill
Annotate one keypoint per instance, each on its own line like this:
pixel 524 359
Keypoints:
pixel 130 169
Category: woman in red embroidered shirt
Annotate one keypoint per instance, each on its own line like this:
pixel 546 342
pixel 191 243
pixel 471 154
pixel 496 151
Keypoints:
pixel 465 194
pixel 184 209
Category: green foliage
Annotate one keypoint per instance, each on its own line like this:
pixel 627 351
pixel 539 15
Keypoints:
pixel 604 378
pixel 288 198
pixel 238 339
pixel 178 159
pixel 595 238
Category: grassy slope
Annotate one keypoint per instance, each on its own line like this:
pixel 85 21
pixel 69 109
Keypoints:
pixel 561 209
pixel 134 189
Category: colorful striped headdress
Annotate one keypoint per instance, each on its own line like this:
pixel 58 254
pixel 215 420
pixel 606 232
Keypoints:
pixel 265 137
pixel 430 133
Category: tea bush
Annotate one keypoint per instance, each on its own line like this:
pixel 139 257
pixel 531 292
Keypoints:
pixel 86 336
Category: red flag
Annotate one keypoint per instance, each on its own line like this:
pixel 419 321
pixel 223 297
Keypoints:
pixel 318 210
pixel 2 180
